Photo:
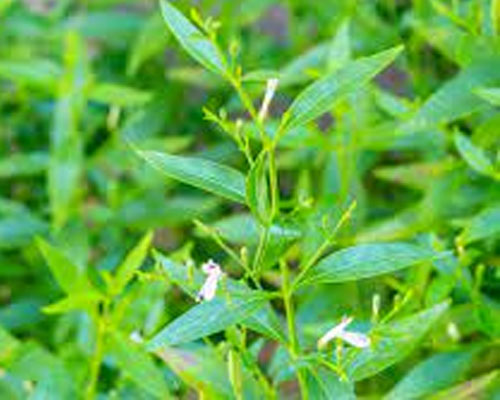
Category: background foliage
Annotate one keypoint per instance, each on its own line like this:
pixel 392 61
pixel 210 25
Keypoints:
pixel 371 189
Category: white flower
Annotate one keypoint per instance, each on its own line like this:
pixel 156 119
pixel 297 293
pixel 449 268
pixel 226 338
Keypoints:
pixel 355 339
pixel 136 337
pixel 214 273
pixel 272 84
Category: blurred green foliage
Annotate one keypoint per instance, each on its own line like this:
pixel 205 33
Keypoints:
pixel 369 188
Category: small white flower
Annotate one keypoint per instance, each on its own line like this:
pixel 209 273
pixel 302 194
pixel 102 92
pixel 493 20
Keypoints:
pixel 214 273
pixel 355 339
pixel 272 84
pixel 136 337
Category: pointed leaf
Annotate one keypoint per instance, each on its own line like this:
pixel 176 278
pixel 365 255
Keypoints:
pixel 483 225
pixel 393 342
pixel 194 42
pixel 323 94
pixel 207 318
pixel 367 260
pixel 491 95
pixel 204 174
pixel 473 155
pixel 435 373
pixel 257 190
pixel 132 262
pixel 69 277
pixel 134 362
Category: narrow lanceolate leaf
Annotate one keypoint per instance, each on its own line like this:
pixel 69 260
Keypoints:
pixel 258 191
pixel 70 277
pixel 208 318
pixel 456 98
pixel 23 164
pixel 473 155
pixel 365 261
pixel 435 373
pixel 135 363
pixel 323 94
pixel 392 343
pixel 132 262
pixel 323 384
pixel 76 301
pixel 192 39
pixel 491 95
pixel 204 174
pixel 483 225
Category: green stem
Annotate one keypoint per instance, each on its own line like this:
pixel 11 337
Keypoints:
pixel 98 354
pixel 294 348
pixel 321 249
pixel 263 239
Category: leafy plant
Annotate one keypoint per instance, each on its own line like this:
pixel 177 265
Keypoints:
pixel 321 202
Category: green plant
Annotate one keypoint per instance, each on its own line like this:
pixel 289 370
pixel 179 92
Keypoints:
pixel 347 243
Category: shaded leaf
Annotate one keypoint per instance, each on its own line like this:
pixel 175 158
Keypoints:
pixel 435 373
pixel 323 94
pixel 135 363
pixel 393 342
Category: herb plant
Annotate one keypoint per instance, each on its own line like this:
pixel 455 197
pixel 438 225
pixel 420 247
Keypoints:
pixel 236 228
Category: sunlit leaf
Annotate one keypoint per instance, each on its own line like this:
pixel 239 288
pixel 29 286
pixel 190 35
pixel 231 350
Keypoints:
pixel 192 40
pixel 365 261
pixel 204 174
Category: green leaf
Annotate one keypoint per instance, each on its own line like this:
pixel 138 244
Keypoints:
pixel 33 72
pixel 75 301
pixel 339 53
pixel 257 192
pixel 323 384
pixel 23 164
pixel 491 95
pixel 150 41
pixel 20 229
pixel 485 386
pixel 243 229
pixel 70 277
pixel 123 96
pixel 483 225
pixel 299 70
pixel 194 42
pixel 473 155
pixel 201 368
pixel 455 99
pixel 209 317
pixel 135 363
pixel 204 174
pixel 435 373
pixel 392 343
pixel 323 94
pixel 367 260
pixel 132 262
pixel 263 321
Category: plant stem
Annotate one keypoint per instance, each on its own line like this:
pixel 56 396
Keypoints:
pixel 294 348
pixel 321 249
pixel 97 357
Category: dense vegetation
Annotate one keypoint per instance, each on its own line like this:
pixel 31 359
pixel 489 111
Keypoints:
pixel 250 199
